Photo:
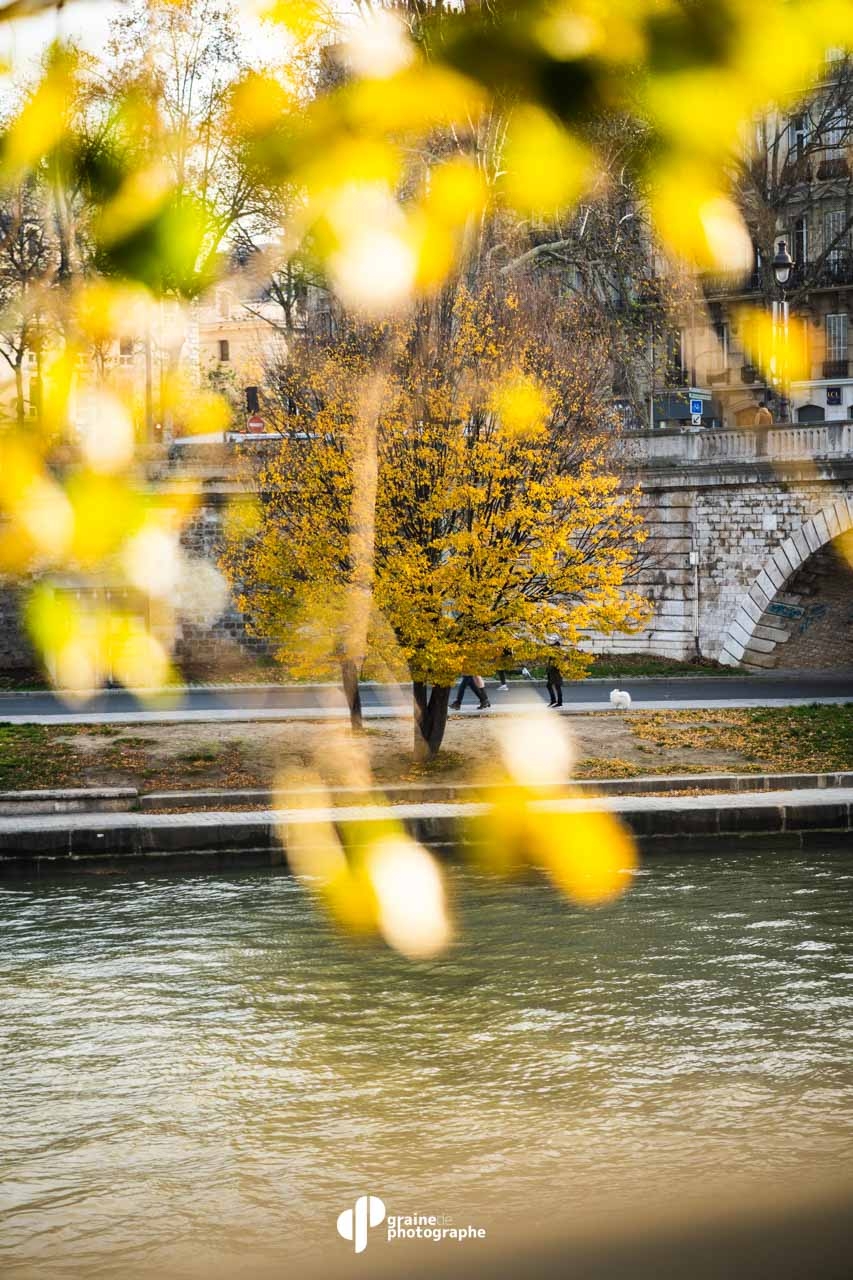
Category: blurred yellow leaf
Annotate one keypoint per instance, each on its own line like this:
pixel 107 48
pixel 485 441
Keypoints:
pixel 378 45
pixel 304 19
pixel 611 30
pixel 151 559
pixel 522 405
pixel 142 194
pixel 588 854
pixel 136 658
pixel 697 221
pixel 457 191
pixel 106 310
pixel 545 168
pixel 425 96
pixel 258 102
pixel 412 909
pixel 780 350
pixel 106 511
pixel 107 435
pixel 40 125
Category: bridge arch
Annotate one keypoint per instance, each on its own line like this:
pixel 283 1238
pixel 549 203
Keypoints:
pixel 748 630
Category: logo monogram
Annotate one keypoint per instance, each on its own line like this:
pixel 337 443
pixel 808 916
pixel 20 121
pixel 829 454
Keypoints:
pixel 353 1224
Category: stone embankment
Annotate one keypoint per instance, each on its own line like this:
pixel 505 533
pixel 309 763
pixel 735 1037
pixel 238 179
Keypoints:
pixel 814 818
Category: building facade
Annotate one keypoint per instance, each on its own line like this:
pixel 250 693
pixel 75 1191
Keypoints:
pixel 794 184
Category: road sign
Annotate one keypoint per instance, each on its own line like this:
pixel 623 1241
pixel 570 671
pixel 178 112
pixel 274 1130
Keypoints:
pixel 255 424
pixel 696 407
pixel 696 419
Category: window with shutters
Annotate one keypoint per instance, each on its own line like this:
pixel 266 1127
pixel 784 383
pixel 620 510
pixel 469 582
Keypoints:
pixel 674 372
pixel 834 132
pixel 224 349
pixel 722 334
pixel 836 336
pixel 835 236
pixel 798 135
pixel 801 241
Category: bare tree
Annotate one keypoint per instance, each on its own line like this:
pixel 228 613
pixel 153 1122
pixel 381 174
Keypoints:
pixel 796 176
pixel 28 262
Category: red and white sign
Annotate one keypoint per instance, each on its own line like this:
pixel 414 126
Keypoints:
pixel 255 424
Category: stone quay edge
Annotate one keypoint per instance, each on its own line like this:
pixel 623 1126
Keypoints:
pixel 116 843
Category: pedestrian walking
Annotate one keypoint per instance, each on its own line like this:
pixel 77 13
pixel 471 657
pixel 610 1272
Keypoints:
pixel 502 684
pixel 554 682
pixel 475 683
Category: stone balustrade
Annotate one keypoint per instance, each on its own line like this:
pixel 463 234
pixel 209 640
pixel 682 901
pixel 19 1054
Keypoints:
pixel 668 448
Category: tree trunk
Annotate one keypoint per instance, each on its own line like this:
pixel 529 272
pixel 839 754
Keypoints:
pixel 349 677
pixel 430 718
pixel 19 393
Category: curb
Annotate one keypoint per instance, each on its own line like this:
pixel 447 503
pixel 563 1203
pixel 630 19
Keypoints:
pixel 129 799
pixel 70 800
pixel 444 793
pixel 727 673
pixel 283 715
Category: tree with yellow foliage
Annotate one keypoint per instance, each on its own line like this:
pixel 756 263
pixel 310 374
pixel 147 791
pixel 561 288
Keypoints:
pixel 441 497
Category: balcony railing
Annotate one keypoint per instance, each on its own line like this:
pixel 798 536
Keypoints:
pixel 833 166
pixel 837 270
pixel 796 169
pixel 731 286
pixel 836 368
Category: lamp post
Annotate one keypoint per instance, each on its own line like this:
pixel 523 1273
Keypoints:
pixel 782 266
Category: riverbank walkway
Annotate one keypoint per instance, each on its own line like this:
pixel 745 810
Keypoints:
pixel 242 703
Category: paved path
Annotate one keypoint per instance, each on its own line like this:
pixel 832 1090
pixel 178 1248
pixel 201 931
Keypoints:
pixel 312 702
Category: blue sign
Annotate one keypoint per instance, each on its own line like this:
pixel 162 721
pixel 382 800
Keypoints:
pixel 695 406
pixel 785 610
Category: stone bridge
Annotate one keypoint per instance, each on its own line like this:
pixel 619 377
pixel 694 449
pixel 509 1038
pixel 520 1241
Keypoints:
pixel 749 558
pixel 750 551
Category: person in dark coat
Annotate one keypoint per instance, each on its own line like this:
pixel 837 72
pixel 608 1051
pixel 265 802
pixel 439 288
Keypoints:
pixel 554 681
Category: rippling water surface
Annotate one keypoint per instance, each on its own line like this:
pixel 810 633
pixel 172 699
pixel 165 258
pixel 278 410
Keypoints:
pixel 197 1071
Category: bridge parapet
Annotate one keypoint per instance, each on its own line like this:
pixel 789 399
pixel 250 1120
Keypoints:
pixel 661 449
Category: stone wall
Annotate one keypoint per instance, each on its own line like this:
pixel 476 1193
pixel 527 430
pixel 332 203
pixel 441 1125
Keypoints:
pixel 221 641
pixel 766 619
pixel 809 624
pixel 16 653
pixel 713 536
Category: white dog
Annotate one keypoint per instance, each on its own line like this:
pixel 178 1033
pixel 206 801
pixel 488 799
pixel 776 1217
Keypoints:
pixel 619 698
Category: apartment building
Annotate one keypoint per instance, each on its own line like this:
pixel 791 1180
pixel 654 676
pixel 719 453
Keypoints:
pixel 795 186
pixel 237 334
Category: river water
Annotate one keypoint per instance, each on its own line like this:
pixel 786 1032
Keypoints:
pixel 197 1072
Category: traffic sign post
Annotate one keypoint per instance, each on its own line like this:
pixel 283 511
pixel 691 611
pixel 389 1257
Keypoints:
pixel 255 424
pixel 695 411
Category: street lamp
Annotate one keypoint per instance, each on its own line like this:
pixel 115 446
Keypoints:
pixel 782 266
